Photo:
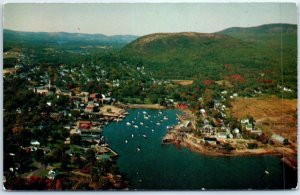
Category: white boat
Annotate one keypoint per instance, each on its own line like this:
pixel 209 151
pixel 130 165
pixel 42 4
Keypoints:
pixel 144 136
pixel 157 123
pixel 165 118
pixel 141 123
pixel 135 126
pixel 138 149
pixel 128 123
pixel 267 172
pixel 145 117
pixel 152 130
pixel 126 141
pixel 132 135
pixel 144 112
pixel 132 121
pixel 159 112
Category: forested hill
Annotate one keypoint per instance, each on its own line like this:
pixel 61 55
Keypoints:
pixel 248 51
pixel 17 38
pixel 263 31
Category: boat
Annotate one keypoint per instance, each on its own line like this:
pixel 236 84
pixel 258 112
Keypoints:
pixel 128 123
pixel 267 172
pixel 135 126
pixel 157 123
pixel 144 112
pixel 159 112
pixel 145 117
pixel 126 141
pixel 138 149
pixel 132 121
pixel 132 135
pixel 165 118
pixel 144 136
pixel 141 123
pixel 152 130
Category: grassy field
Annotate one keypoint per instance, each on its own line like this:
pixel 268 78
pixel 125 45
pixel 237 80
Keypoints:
pixel 272 114
pixel 183 82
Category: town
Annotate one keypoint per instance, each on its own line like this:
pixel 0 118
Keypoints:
pixel 77 148
pixel 162 100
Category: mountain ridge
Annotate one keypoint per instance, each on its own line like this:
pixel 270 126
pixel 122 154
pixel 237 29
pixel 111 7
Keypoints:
pixel 11 36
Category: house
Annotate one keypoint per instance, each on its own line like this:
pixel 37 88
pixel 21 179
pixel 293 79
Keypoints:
pixel 35 143
pixel 257 131
pixel 52 174
pixel 222 135
pixel 236 131
pixel 249 127
pixel 84 124
pixel 279 139
pixel 182 106
pixel 95 95
pixel 63 92
pixel 90 108
pixel 87 131
pixel 210 140
pixel 202 111
pixel 185 129
pixel 245 121
pixel 187 123
pixel 41 90
pixel 105 99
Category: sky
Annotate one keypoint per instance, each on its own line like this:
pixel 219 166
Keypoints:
pixel 142 19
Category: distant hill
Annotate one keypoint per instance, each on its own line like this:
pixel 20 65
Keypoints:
pixel 11 37
pixel 189 54
pixel 260 31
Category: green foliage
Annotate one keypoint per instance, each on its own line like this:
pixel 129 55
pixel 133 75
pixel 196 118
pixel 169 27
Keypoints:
pixel 90 156
pixel 75 139
pixel 252 145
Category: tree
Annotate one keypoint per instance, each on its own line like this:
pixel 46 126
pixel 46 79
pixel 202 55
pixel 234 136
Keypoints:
pixel 64 160
pixel 90 156
pixel 75 139
pixel 208 98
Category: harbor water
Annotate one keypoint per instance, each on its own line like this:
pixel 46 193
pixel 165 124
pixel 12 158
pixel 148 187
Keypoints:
pixel 149 165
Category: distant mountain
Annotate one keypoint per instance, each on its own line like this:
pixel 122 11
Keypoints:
pixel 63 38
pixel 263 30
pixel 184 55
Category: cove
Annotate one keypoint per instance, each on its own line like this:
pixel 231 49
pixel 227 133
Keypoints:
pixel 149 165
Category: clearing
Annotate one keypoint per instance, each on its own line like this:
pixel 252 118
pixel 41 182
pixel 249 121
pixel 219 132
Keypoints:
pixel 183 82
